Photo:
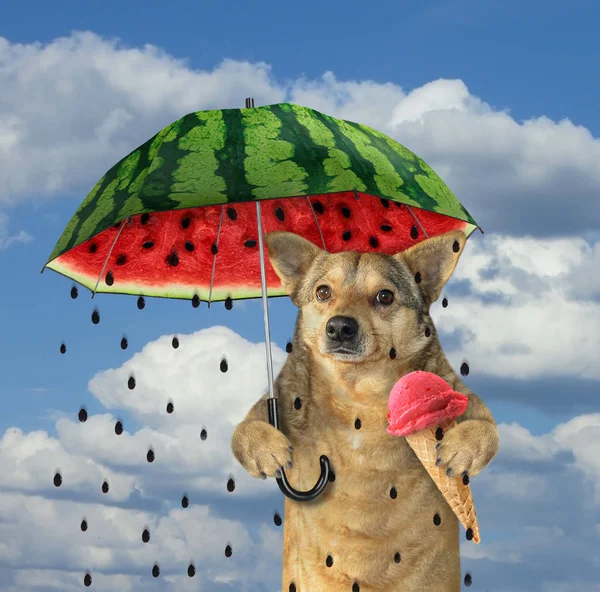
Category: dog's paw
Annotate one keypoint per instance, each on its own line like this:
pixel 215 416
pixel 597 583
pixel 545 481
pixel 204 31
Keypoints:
pixel 467 448
pixel 261 449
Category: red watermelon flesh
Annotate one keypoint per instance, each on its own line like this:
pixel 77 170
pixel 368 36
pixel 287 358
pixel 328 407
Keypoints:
pixel 171 254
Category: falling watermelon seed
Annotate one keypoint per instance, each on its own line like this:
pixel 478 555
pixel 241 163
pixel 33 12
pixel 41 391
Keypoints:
pixel 63 348
pixel 277 519
pixel 427 332
pixel 146 536
pixel 203 434
pixel 456 246
pixel 329 561
pixel 150 456
pixel 170 407
pixel 355 587
pixel 109 279
pixel 57 480
pixel 185 502
pixel 87 580
pixel 141 303
pixel 124 343
pixel 228 303
pixel 439 434
pixel 155 571
pixel 74 292
pixel 224 366
pixel 437 520
pixel 464 369
pixel 82 415
pixel 469 534
pixel 196 301
pixel 191 571
pixel 228 551
pixel 418 277
pixel 392 354
pixel 230 485
pixel 250 243
pixel 289 347
pixel 468 580
pixel 393 493
pixel 118 428
pixel 331 476
pixel 397 558
pixel 297 403
pixel 175 343
pixel 232 214
pixel 357 424
pixel 131 383
pixel 445 302
pixel 105 487
pixel 95 317
pixel 83 525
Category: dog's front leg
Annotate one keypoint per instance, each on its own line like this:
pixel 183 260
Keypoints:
pixel 469 446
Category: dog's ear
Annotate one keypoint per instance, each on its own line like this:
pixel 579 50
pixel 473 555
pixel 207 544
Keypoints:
pixel 291 257
pixel 433 261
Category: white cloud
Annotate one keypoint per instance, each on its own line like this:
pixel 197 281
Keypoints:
pixel 7 239
pixel 107 99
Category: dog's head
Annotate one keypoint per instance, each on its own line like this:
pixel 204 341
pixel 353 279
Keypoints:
pixel 356 308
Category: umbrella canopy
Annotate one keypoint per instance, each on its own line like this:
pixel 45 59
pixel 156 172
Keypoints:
pixel 175 217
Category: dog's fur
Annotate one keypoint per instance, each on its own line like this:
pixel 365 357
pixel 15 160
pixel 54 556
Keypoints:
pixel 376 540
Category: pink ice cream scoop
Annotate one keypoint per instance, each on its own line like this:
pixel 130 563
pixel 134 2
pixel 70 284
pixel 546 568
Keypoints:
pixel 421 400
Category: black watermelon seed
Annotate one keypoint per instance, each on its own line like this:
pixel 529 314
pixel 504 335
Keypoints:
pixel 469 534
pixel 232 214
pixel 385 203
pixel 445 302
pixel 93 248
pixel 57 480
pixel 141 303
pixel 374 242
pixel 228 551
pixel 145 217
pixel 346 235
pixel 279 214
pixel 155 571
pixel 87 580
pixel 393 493
pixel 82 415
pixel 228 303
pixel 105 487
pixel 277 519
pixel 468 580
pixel 355 587
pixel 397 558
pixel 145 536
pixel 175 343
pixel 148 245
pixel 250 243
pixel 95 317
pixel 173 259
pixel 464 369
pixel 63 348
pixel 150 456
pixel 131 383
pixel 414 233
pixel 439 434
pixel 331 475
pixel 318 207
pixel 437 520
pixel 386 227
pixel 109 279
pixel 289 347
pixel 185 502
pixel 346 212
pixel 196 301
pixel 189 246
pixel 214 249
pixel 418 277
pixel 230 485
pixel 357 424
pixel 224 366
pixel 465 479
pixel 392 354
pixel 203 435
pixel 427 332
pixel 74 292
pixel 456 247
pixel 297 403
pixel 118 428
pixel 122 259
pixel 329 561
pixel 191 571
pixel 185 223
pixel 170 407
pixel 83 525
pixel 292 587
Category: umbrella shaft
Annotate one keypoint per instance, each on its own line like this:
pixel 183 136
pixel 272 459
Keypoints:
pixel 263 283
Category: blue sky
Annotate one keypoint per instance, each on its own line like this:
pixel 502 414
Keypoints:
pixel 512 72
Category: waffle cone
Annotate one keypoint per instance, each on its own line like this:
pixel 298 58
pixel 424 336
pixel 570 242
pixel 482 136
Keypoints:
pixel 456 493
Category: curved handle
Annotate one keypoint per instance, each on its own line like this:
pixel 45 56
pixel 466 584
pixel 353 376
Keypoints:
pixel 283 483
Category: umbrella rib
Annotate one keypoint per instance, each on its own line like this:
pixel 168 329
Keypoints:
pixel 417 220
pixel 212 274
pixel 109 254
pixel 316 222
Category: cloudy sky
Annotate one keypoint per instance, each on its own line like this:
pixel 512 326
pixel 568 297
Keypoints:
pixel 501 99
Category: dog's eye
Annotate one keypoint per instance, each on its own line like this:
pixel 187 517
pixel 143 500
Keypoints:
pixel 323 292
pixel 385 297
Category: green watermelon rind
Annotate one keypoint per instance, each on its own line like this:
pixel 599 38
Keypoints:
pixel 287 151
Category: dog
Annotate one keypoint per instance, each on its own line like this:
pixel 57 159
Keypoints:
pixel 363 323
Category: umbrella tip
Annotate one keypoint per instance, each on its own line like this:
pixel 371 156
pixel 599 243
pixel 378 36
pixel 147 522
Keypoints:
pixel 480 229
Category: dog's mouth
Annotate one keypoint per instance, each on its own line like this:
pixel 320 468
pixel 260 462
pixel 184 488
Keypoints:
pixel 344 353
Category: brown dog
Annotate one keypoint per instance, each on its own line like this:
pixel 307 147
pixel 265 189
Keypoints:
pixel 373 528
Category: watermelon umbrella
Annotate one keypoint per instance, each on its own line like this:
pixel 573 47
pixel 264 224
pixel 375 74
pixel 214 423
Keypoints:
pixel 183 215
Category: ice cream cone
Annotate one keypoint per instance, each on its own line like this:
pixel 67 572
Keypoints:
pixel 456 493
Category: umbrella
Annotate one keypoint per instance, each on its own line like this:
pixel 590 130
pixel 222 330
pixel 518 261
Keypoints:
pixel 183 215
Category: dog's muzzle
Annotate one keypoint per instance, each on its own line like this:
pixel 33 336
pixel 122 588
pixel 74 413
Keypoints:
pixel 342 332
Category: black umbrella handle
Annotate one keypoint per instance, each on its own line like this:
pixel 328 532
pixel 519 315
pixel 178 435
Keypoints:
pixel 284 484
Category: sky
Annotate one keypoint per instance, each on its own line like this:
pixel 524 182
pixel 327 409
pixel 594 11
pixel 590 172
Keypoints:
pixel 499 98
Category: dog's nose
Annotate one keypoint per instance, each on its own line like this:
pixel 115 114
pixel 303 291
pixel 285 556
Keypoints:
pixel 341 328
